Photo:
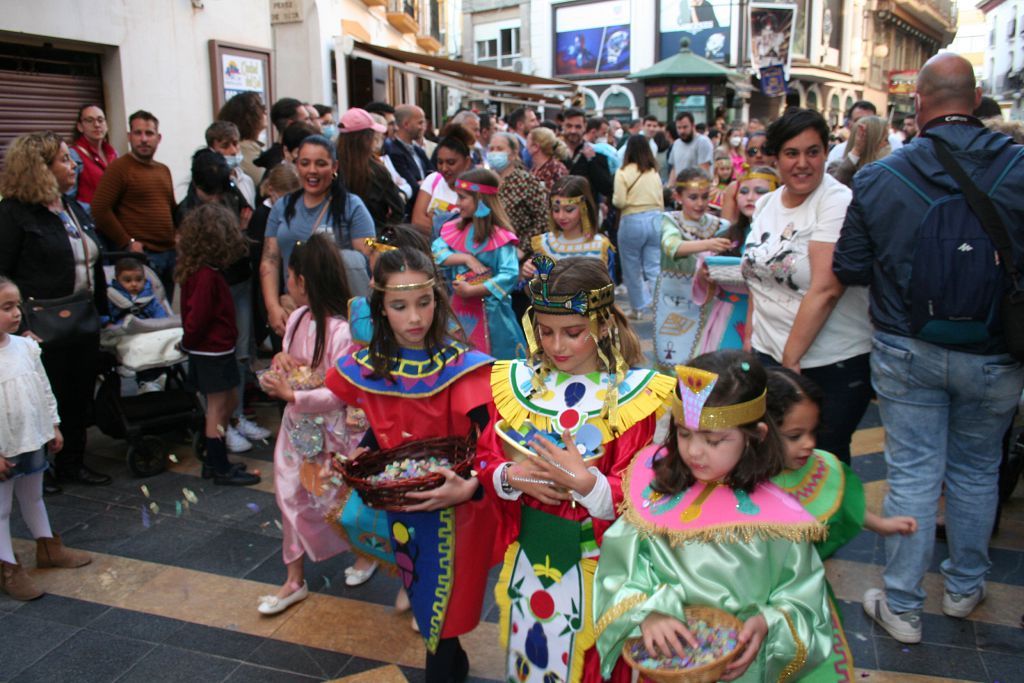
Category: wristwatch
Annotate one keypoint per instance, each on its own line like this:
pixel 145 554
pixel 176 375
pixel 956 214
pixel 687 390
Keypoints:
pixel 506 487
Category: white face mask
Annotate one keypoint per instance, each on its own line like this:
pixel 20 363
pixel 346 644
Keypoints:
pixel 617 134
pixel 233 161
pixel 735 141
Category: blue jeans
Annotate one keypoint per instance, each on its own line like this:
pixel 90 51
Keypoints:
pixel 945 414
pixel 640 252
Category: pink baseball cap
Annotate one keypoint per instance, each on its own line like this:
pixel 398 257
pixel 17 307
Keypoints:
pixel 357 119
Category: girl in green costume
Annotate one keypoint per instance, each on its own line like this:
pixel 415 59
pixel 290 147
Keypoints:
pixel 827 488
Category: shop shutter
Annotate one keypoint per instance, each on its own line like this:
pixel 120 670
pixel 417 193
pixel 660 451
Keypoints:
pixel 44 90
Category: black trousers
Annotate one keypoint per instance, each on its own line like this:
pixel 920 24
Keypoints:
pixel 72 374
pixel 846 386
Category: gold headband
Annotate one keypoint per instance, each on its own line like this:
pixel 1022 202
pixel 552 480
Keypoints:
pixel 691 412
pixel 404 288
pixel 378 246
pixel 579 201
pixel 772 180
pixel 694 184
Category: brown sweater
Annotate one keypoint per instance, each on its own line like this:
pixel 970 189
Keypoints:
pixel 135 200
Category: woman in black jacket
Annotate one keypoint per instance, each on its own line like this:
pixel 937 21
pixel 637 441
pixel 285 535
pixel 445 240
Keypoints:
pixel 49 248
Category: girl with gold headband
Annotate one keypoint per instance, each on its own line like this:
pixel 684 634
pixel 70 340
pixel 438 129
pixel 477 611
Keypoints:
pixel 684 235
pixel 415 382
pixel 569 420
pixel 479 258
pixel 703 525
pixel 574 226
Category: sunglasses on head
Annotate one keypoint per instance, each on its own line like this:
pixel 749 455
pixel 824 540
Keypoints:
pixel 754 151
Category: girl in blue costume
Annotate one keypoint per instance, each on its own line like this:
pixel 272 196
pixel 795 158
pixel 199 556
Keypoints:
pixel 703 525
pixel 415 383
pixel 827 488
pixel 583 406
pixel 479 257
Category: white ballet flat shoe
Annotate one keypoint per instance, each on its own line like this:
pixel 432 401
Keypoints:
pixel 271 604
pixel 357 577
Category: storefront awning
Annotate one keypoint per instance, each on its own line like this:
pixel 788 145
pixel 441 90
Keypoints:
pixel 480 82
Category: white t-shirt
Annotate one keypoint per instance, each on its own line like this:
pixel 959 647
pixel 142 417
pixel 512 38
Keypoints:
pixel 691 154
pixel 777 271
pixel 442 197
pixel 839 151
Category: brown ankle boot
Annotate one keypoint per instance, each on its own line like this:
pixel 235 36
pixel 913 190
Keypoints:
pixel 50 552
pixel 16 582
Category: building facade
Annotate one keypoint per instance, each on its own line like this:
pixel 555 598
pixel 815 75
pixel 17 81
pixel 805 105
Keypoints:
pixel 1004 54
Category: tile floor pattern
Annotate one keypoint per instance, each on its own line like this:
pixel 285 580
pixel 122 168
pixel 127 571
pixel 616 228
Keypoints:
pixel 171 597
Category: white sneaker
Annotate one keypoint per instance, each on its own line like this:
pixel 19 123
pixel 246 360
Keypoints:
pixel 150 387
pixel 960 605
pixel 252 431
pixel 904 627
pixel 236 442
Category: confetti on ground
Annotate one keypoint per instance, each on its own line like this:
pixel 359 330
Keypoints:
pixel 173 458
pixel 264 525
pixel 190 496
pixel 154 508
pixel 861 637
pixel 177 508
pixel 253 506
pixel 145 517
pixel 327 582
pixel 145 490
pixel 277 523
pixel 906 649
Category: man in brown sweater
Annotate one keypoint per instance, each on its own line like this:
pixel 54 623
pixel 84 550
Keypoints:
pixel 134 202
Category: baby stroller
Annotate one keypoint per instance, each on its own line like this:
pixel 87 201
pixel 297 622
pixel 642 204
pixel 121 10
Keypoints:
pixel 143 419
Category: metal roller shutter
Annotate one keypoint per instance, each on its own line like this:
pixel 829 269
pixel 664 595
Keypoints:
pixel 42 89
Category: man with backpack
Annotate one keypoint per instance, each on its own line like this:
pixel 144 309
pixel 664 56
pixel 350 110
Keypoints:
pixel 936 230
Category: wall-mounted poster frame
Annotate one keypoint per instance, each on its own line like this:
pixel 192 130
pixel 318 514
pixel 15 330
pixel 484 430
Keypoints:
pixel 707 24
pixel 239 68
pixel 591 38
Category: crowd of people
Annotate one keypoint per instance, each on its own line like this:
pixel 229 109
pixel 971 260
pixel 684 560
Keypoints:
pixel 425 292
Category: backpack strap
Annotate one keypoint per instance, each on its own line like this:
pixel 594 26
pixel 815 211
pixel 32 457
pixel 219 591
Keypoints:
pixel 898 165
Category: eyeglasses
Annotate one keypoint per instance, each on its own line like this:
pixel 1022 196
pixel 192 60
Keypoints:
pixel 90 120
pixel 757 190
pixel 754 151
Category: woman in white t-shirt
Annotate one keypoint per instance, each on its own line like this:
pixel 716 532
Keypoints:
pixel 800 316
pixel 436 200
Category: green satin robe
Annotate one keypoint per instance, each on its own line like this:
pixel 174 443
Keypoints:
pixel 784 580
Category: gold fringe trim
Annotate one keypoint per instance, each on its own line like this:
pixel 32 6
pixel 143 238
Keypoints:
pixel 501 593
pixel 801 651
pixel 813 531
pixel 618 610
pixel 650 400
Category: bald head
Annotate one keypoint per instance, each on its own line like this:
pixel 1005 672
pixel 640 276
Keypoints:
pixel 410 122
pixel 946 85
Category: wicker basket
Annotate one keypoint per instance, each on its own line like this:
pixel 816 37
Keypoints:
pixel 706 673
pixel 391 495
pixel 516 452
pixel 725 270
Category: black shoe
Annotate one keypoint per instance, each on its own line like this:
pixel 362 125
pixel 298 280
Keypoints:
pixel 208 472
pixel 84 475
pixel 50 485
pixel 235 477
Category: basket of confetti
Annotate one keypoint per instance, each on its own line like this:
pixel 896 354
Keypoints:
pixel 383 478
pixel 725 271
pixel 302 378
pixel 717 633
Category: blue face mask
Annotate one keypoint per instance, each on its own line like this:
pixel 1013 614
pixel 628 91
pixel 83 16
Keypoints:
pixel 497 160
pixel 233 161
pixel 329 130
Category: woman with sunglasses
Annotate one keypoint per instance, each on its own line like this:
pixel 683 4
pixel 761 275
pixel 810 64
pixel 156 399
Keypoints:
pixel 757 156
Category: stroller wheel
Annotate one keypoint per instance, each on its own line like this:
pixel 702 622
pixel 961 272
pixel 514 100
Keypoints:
pixel 147 456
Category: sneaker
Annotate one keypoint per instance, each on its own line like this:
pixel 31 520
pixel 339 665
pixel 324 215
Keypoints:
pixel 252 431
pixel 902 626
pixel 959 605
pixel 236 442
pixel 150 387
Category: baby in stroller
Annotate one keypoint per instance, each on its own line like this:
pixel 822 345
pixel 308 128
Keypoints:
pixel 142 331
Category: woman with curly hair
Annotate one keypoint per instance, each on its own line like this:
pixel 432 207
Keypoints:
pixel 548 154
pixel 49 248
pixel 247 111
pixel 365 174
pixel 210 241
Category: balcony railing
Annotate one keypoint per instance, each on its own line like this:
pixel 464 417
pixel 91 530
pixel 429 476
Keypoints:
pixel 402 15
